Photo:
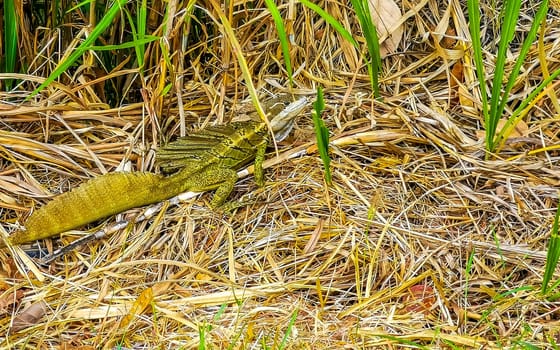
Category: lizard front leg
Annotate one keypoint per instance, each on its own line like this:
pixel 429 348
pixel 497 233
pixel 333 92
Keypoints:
pixel 259 159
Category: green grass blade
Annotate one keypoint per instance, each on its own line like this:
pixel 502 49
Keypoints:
pixel 509 23
pixel 202 329
pixel 80 4
pixel 474 29
pixel 516 115
pixel 527 43
pixel 370 33
pixel 553 253
pixel 526 345
pixel 127 45
pixel 282 36
pixel 468 269
pixel 499 98
pixel 134 43
pixel 138 30
pixel 322 134
pixel 141 20
pixel 293 319
pixel 553 296
pixel 332 21
pixel 10 39
pixel 103 24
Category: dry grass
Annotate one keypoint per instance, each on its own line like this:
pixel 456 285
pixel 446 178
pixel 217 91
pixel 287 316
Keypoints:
pixel 419 241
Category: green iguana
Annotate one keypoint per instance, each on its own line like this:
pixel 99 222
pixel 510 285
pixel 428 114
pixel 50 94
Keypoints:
pixel 206 160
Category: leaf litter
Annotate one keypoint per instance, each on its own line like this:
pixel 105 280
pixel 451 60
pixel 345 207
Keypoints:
pixel 377 260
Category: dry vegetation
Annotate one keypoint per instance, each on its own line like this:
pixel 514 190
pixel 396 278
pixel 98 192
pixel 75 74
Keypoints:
pixel 419 242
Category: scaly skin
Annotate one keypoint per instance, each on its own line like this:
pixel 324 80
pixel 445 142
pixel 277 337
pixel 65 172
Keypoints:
pixel 210 160
pixel 95 199
pixel 206 160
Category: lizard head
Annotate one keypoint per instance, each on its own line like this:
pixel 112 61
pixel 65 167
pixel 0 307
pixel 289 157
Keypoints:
pixel 283 117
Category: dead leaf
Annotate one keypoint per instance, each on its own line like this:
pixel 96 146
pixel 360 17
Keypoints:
pixel 456 82
pixel 449 40
pixel 141 303
pixel 421 299
pixel 315 236
pixel 29 316
pixel 386 15
pixel 9 299
pixel 6 301
pixel 456 74
pixel 521 129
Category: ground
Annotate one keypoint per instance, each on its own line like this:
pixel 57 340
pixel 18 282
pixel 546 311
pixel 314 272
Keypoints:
pixel 422 240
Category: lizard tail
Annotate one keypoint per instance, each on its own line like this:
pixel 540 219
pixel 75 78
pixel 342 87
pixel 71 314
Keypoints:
pixel 93 200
